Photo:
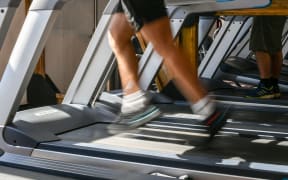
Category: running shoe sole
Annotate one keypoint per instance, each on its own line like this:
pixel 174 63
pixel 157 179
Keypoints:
pixel 149 114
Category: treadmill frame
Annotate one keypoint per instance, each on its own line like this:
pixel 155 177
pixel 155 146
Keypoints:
pixel 26 52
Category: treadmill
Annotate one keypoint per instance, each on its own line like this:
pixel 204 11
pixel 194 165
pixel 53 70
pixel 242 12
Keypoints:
pixel 241 62
pixel 72 138
pixel 228 58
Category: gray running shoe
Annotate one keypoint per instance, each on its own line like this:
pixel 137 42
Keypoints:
pixel 135 119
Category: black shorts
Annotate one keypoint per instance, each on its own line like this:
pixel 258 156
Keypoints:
pixel 139 12
pixel 266 33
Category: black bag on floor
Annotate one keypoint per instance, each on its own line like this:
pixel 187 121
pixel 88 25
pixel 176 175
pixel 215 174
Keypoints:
pixel 41 91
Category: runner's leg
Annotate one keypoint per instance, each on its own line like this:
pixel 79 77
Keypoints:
pixel 120 33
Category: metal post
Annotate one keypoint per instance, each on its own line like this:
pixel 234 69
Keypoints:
pixel 23 59
pixel 7 11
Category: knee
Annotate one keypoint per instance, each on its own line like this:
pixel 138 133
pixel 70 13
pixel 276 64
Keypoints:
pixel 118 39
pixel 165 49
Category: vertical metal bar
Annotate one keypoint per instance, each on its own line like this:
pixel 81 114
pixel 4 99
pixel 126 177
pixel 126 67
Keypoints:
pixel 7 11
pixel 219 47
pixel 95 66
pixel 247 22
pixel 23 60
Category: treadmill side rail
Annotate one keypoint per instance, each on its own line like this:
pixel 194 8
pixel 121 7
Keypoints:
pixel 72 170
pixel 48 5
pixel 9 3
pixel 22 62
pixel 8 9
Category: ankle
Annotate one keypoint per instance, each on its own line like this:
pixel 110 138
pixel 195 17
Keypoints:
pixel 266 82
pixel 134 96
pixel 274 81
pixel 204 107
pixel 135 101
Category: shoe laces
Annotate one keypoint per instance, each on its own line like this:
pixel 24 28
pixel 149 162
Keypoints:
pixel 262 89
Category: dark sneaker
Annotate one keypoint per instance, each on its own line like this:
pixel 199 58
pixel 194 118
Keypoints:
pixel 276 91
pixel 135 119
pixel 216 121
pixel 262 92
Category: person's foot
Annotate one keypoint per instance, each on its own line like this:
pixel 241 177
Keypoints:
pixel 276 91
pixel 132 120
pixel 262 92
pixel 216 121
